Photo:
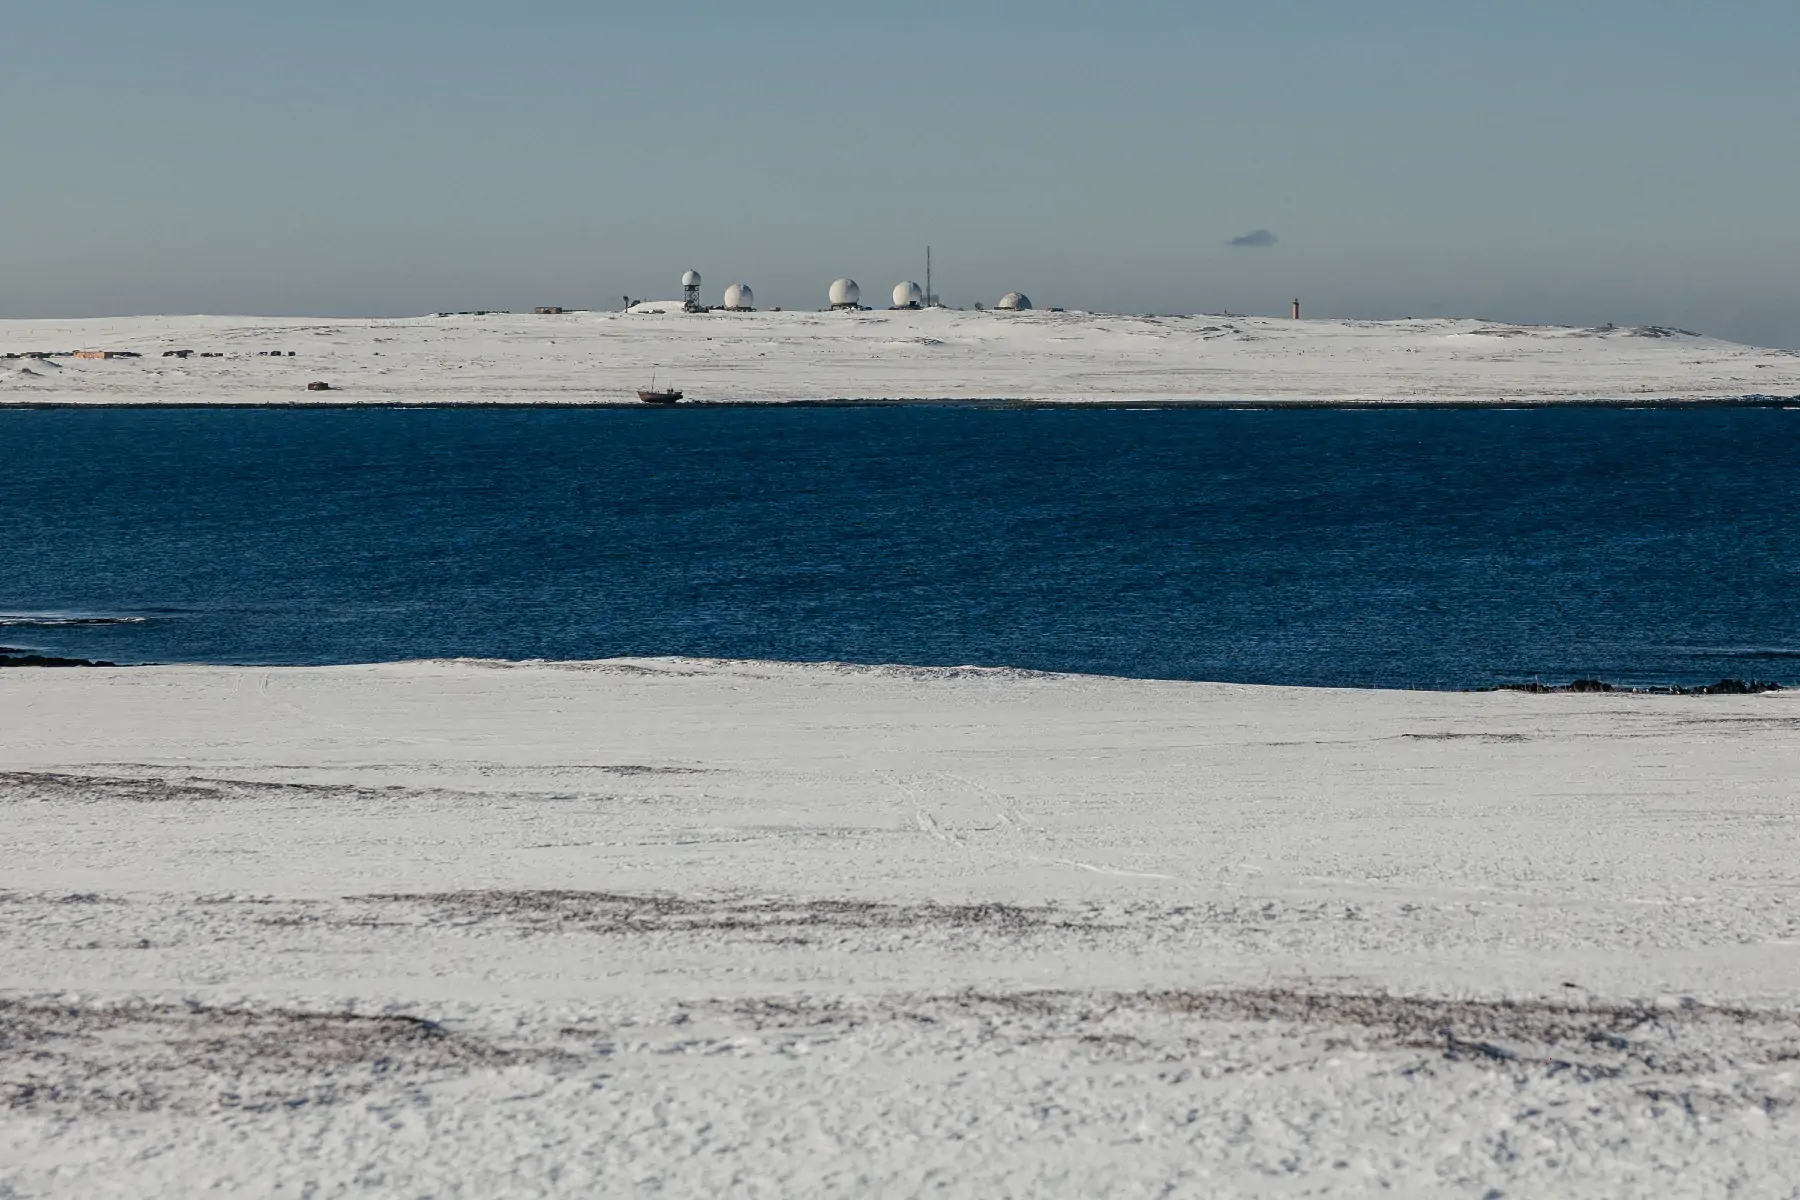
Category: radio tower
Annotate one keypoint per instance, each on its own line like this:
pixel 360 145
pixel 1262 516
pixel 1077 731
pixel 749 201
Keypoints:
pixel 930 296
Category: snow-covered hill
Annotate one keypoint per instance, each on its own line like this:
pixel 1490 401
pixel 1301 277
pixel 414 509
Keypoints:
pixel 933 354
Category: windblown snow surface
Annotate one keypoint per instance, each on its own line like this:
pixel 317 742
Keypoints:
pixel 931 354
pixel 699 928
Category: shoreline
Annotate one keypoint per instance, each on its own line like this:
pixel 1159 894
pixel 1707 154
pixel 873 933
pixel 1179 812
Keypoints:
pixel 25 657
pixel 986 403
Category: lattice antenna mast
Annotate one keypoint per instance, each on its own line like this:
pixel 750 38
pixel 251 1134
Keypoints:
pixel 930 296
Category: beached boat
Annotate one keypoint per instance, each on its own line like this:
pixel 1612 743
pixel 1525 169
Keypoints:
pixel 655 395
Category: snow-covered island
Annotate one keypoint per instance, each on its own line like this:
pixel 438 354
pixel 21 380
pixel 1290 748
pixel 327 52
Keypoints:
pixel 932 354
pixel 699 928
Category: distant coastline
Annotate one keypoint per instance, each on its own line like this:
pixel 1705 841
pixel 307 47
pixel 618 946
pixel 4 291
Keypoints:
pixel 982 402
pixel 931 356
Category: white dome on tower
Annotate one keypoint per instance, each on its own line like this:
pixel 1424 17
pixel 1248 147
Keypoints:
pixel 1015 301
pixel 908 294
pixel 739 295
pixel 844 293
pixel 691 279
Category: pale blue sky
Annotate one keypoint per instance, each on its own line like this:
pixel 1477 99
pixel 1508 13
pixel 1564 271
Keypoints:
pixel 1570 162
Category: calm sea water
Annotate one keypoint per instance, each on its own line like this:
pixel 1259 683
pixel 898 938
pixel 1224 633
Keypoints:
pixel 1392 548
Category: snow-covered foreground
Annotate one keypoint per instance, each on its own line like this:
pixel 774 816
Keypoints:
pixel 933 354
pixel 703 929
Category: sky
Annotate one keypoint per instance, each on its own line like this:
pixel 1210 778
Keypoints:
pixel 1535 161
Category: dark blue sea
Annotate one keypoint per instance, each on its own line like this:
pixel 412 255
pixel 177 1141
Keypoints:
pixel 1393 548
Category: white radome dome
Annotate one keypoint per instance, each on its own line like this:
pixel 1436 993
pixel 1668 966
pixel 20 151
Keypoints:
pixel 739 295
pixel 845 292
pixel 691 279
pixel 1016 301
pixel 907 294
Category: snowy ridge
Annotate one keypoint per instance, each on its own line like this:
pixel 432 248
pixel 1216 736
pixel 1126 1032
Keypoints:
pixel 706 927
pixel 932 354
